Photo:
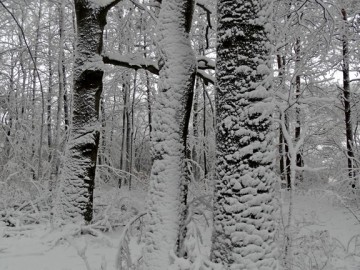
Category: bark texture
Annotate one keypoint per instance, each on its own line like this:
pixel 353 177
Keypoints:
pixel 244 224
pixel 78 174
pixel 172 106
pixel 347 98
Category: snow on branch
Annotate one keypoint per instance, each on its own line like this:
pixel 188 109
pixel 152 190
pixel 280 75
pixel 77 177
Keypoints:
pixel 135 62
pixel 104 3
pixel 132 62
pixel 205 63
pixel 206 77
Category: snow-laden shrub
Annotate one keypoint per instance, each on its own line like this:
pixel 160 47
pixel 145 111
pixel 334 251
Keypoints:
pixel 305 246
pixel 318 250
pixel 130 245
pixel 23 203
pixel 115 207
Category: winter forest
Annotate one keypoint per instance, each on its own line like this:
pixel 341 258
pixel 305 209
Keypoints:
pixel 180 134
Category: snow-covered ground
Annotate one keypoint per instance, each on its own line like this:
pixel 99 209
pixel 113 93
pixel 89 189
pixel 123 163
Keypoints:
pixel 324 237
pixel 325 233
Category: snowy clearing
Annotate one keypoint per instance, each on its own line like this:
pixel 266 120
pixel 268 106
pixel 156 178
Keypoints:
pixel 324 237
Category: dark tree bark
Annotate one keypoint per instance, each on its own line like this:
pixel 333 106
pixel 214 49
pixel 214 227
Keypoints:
pixel 299 159
pixel 204 132
pixel 49 94
pixel 124 154
pixel 287 157
pixel 78 174
pixel 283 146
pixel 347 98
pixel 244 221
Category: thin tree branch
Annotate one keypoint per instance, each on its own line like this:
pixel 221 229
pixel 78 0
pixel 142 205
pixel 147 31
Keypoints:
pixel 112 4
pixel 142 7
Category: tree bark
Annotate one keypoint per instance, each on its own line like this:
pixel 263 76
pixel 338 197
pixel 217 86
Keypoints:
pixel 347 98
pixel 49 96
pixel 169 177
pixel 283 146
pixel 78 174
pixel 299 159
pixel 36 175
pixel 244 199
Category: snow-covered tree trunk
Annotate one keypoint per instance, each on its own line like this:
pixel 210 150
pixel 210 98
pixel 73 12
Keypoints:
pixel 78 173
pixel 244 222
pixel 168 186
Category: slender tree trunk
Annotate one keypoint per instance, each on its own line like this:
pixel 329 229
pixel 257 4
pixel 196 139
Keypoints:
pixel 65 94
pixel 283 146
pixel 148 94
pixel 204 132
pixel 125 131
pixel 49 96
pixel 128 131
pixel 9 126
pixel 56 158
pixel 244 201
pixel 299 159
pixel 169 176
pixel 131 152
pixel 347 99
pixel 148 91
pixel 36 175
pixel 50 93
pixel 281 154
pixel 289 179
pixel 195 148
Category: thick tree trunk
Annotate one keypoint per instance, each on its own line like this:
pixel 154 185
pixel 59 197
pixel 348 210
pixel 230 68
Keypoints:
pixel 78 175
pixel 244 221
pixel 169 177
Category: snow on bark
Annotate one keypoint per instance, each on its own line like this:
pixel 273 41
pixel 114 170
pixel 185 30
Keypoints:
pixel 172 107
pixel 78 174
pixel 244 225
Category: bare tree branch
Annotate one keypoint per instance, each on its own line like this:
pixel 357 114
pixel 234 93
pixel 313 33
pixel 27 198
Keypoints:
pixel 208 17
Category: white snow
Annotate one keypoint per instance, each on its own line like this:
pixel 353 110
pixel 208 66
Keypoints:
pixel 100 3
pixel 324 232
pixel 324 235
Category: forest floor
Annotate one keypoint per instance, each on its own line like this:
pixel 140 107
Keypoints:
pixel 325 235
